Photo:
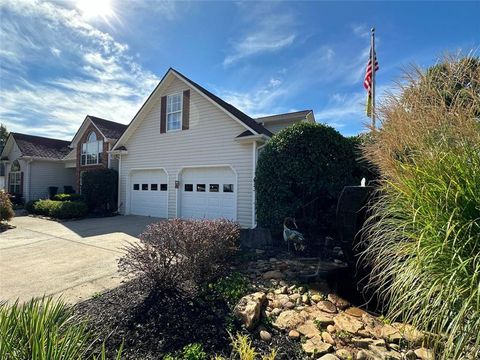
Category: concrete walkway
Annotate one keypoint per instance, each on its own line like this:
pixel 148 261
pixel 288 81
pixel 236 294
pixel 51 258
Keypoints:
pixel 74 259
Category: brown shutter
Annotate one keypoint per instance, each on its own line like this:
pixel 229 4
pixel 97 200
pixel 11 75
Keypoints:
pixel 163 115
pixel 186 110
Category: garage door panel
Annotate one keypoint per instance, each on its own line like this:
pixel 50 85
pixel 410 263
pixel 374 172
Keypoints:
pixel 213 202
pixel 146 196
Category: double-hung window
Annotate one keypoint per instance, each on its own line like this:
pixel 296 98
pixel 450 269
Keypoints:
pixel 92 150
pixel 174 112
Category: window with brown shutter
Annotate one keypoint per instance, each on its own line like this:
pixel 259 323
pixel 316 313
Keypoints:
pixel 186 110
pixel 163 115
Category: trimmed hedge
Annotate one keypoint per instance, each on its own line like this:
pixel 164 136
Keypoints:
pixel 100 188
pixel 59 209
pixel 68 197
pixel 300 173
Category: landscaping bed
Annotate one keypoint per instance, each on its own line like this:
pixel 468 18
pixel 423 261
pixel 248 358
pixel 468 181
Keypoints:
pixel 294 320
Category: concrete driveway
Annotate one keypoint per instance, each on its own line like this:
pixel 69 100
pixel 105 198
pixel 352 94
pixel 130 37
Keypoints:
pixel 75 259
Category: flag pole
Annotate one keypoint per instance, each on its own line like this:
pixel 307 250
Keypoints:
pixel 372 61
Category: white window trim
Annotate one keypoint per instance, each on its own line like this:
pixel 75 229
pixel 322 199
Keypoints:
pixel 175 112
pixel 18 181
pixel 85 154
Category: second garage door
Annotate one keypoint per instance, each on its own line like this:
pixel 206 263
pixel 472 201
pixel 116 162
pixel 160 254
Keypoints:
pixel 149 193
pixel 208 193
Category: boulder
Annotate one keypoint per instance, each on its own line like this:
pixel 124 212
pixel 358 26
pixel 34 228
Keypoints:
pixel 289 320
pixel 249 309
pixel 316 346
pixel 348 323
pixel 308 329
pixel 410 333
pixel 329 357
pixel 391 334
pixel 344 354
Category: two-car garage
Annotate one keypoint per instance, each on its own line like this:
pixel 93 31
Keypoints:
pixel 200 193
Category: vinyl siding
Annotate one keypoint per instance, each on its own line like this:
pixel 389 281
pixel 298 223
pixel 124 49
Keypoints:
pixel 275 127
pixel 208 141
pixel 46 173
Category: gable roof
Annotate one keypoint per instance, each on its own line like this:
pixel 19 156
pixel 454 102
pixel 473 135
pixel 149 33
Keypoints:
pixel 41 147
pixel 247 120
pixel 236 114
pixel 110 129
pixel 292 116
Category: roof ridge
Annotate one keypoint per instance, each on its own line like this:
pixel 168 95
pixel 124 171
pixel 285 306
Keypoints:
pixel 110 121
pixel 286 113
pixel 38 137
pixel 247 120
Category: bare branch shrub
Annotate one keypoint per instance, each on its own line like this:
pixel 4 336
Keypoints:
pixel 182 254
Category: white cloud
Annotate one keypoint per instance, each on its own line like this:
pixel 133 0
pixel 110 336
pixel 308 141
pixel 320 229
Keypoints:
pixel 92 72
pixel 267 34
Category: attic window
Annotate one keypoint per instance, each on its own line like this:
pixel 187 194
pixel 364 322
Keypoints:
pixel 174 112
pixel 92 150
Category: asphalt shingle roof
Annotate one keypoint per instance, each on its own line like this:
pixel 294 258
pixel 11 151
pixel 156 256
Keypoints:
pixel 247 120
pixel 42 147
pixel 111 129
pixel 296 116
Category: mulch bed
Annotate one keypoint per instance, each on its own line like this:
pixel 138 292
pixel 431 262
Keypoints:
pixel 152 324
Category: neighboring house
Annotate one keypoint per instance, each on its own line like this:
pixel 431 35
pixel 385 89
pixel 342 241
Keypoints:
pixel 91 146
pixel 189 154
pixel 33 164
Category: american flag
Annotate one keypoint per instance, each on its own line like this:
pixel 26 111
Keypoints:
pixel 367 82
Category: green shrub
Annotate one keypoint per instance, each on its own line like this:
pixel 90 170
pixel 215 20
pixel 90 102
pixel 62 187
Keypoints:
pixel 300 173
pixel 60 209
pixel 44 329
pixel 100 188
pixel 29 206
pixel 232 287
pixel 6 207
pixel 423 238
pixel 68 197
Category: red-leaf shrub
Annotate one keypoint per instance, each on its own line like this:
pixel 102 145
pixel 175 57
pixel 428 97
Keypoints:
pixel 6 208
pixel 182 254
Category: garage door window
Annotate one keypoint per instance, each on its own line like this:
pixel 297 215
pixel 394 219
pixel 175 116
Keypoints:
pixel 201 187
pixel 163 187
pixel 136 186
pixel 214 187
pixel 228 188
pixel 154 187
pixel 144 187
pixel 188 187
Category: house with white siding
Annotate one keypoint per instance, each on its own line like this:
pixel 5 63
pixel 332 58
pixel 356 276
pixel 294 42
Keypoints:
pixel 189 154
pixel 33 164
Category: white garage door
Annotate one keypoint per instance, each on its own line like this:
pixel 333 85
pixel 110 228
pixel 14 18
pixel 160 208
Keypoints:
pixel 148 193
pixel 208 193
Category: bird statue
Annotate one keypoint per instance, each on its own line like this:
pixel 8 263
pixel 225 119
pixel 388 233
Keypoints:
pixel 293 236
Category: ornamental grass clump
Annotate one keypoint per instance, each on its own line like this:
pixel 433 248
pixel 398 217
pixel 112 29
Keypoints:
pixel 182 254
pixel 423 237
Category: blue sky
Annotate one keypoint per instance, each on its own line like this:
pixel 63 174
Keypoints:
pixel 61 60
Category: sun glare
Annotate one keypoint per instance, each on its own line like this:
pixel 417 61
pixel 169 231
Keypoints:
pixel 95 8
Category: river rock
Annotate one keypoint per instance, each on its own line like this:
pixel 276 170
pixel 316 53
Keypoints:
pixel 293 334
pixel 391 334
pixel 348 323
pixel 355 311
pixel 327 306
pixel 265 335
pixel 340 303
pixel 316 298
pixel 410 333
pixel 326 337
pixel 249 308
